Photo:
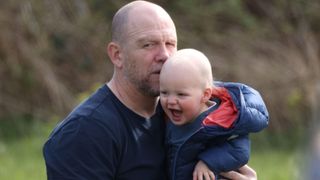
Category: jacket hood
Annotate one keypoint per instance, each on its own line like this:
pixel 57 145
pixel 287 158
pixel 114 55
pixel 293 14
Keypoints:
pixel 241 111
pixel 227 111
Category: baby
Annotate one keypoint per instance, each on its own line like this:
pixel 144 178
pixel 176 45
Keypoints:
pixel 208 126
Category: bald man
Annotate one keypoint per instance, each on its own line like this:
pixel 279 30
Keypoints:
pixel 118 132
pixel 203 116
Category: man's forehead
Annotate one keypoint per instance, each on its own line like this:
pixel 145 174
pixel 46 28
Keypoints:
pixel 141 35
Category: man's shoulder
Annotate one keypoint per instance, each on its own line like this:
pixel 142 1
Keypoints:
pixel 97 112
pixel 101 99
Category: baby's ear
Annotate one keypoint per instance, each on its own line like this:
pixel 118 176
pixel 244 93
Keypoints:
pixel 207 94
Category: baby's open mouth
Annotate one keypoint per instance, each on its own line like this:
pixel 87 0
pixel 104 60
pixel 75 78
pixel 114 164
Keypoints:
pixel 175 113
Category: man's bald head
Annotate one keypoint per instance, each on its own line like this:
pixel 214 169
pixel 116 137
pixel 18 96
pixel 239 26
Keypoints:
pixel 137 13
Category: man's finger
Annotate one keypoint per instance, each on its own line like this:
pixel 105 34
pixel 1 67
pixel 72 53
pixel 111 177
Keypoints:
pixel 233 175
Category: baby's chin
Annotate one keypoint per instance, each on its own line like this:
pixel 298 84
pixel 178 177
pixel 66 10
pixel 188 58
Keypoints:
pixel 178 122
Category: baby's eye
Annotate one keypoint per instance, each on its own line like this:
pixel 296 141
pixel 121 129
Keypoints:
pixel 163 93
pixel 182 94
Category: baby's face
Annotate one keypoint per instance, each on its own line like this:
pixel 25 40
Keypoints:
pixel 181 96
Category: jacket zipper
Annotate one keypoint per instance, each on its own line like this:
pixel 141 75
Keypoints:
pixel 176 154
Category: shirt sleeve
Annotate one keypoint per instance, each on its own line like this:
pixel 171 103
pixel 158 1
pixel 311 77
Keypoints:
pixel 227 156
pixel 81 150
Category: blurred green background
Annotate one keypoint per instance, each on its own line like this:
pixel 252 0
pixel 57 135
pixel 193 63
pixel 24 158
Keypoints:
pixel 52 56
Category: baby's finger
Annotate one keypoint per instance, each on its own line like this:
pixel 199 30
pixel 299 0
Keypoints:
pixel 212 176
pixel 195 175
pixel 200 176
pixel 206 176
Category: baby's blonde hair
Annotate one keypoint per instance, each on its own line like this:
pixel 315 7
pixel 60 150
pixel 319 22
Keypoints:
pixel 193 61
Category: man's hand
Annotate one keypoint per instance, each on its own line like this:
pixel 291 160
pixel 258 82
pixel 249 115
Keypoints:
pixel 202 172
pixel 245 173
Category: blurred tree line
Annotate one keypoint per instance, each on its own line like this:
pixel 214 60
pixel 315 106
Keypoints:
pixel 52 53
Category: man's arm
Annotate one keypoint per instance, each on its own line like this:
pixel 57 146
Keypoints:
pixel 244 173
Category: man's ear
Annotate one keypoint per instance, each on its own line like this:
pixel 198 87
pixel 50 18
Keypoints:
pixel 114 53
pixel 207 94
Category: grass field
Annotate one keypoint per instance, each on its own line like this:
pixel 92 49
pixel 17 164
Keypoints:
pixel 274 164
pixel 21 158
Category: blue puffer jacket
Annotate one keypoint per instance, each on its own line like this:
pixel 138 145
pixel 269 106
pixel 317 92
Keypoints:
pixel 221 148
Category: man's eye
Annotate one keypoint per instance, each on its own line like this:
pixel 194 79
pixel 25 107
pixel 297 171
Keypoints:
pixel 148 45
pixel 171 44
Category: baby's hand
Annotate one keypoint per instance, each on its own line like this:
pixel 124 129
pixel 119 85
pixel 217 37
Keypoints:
pixel 202 172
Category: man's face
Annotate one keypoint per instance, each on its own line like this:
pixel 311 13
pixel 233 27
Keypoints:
pixel 149 41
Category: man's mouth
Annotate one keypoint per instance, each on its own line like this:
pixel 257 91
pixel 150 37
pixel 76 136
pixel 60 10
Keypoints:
pixel 156 72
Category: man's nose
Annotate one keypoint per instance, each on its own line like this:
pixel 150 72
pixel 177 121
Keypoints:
pixel 163 53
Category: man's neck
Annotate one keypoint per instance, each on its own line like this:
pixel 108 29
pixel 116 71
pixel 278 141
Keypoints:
pixel 132 98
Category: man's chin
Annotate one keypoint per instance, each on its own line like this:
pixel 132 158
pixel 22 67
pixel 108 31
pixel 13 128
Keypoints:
pixel 154 90
pixel 154 94
pixel 151 88
pixel 151 92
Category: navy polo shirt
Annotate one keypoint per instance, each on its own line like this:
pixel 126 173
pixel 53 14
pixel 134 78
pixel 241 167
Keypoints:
pixel 103 139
